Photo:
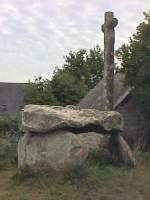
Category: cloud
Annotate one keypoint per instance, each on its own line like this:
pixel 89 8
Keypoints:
pixel 7 8
pixel 36 34
pixel 3 21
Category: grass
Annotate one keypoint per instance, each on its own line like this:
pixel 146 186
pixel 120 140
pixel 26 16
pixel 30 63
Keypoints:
pixel 98 179
pixel 8 153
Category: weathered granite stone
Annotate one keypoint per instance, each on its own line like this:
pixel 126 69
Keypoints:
pixel 58 151
pixel 43 119
pixel 92 140
pixel 120 150
pixel 109 39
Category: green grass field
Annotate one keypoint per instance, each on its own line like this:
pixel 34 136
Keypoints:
pixel 98 179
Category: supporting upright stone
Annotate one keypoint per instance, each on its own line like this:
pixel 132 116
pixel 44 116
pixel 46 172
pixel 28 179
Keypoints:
pixel 109 40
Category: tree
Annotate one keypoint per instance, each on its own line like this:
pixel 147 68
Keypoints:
pixel 81 71
pixel 87 66
pixel 95 64
pixel 67 89
pixel 135 61
pixel 39 91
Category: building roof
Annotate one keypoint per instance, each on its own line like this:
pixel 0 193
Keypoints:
pixel 95 98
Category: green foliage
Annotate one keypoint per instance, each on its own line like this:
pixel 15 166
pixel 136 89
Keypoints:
pixel 100 156
pixel 85 66
pixel 135 60
pixel 101 182
pixel 80 72
pixel 24 175
pixel 39 92
pixel 76 174
pixel 67 89
pixel 9 133
pixel 8 125
pixel 5 121
pixel 8 153
pixel 144 158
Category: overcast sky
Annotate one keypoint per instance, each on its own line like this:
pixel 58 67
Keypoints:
pixel 36 34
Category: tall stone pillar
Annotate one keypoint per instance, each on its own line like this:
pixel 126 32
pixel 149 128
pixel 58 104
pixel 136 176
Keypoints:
pixel 119 149
pixel 109 40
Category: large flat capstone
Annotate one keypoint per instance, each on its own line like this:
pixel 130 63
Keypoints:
pixel 43 119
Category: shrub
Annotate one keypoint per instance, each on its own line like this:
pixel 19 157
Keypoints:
pixel 8 153
pixel 5 121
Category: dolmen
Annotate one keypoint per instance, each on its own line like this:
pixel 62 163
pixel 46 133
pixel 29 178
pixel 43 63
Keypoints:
pixel 61 137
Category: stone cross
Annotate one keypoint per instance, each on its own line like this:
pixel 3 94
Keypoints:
pixel 109 40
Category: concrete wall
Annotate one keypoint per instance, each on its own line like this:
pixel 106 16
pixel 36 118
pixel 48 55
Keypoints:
pixel 11 98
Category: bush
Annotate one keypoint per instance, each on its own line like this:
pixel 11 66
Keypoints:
pixel 9 127
pixel 5 121
pixel 8 153
pixel 9 134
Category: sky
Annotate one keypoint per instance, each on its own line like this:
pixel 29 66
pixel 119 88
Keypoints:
pixel 35 35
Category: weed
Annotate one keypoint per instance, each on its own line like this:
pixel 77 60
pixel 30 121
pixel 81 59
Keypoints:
pixel 8 154
pixel 144 158
pixel 76 175
pixel 24 175
pixel 100 156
